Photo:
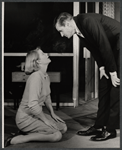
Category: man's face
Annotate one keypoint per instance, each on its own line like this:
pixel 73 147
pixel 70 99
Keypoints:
pixel 66 30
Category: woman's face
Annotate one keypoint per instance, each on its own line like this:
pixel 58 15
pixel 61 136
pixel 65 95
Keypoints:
pixel 43 57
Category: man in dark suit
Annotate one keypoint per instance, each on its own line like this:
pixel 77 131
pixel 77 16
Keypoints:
pixel 101 36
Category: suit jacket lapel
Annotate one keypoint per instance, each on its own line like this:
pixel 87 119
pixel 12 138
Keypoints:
pixel 88 39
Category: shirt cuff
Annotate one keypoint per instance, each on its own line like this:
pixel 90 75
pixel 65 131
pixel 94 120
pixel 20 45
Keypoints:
pixel 101 68
pixel 113 73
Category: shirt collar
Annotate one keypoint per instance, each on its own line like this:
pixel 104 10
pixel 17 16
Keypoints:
pixel 44 76
pixel 78 31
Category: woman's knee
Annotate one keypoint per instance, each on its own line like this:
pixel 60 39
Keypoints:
pixel 64 130
pixel 57 136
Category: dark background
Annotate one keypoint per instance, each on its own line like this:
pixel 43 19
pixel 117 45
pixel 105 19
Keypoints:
pixel 30 24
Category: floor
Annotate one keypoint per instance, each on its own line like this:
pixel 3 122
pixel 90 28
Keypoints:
pixel 79 118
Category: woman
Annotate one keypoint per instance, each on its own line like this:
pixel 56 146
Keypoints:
pixel 30 118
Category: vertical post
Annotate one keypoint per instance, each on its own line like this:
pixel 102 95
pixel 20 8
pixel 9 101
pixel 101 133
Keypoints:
pixel 86 55
pixel 96 67
pixel 86 7
pixel 75 59
pixel 3 5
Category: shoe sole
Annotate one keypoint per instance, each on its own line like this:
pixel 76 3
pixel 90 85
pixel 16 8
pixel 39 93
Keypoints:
pixel 100 139
pixel 95 133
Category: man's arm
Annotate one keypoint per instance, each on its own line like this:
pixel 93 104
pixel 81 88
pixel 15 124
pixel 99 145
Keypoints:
pixel 98 35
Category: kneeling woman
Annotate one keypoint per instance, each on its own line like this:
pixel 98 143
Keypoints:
pixel 30 118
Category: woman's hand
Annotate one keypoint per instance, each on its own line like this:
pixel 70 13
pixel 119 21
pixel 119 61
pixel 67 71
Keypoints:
pixel 56 118
pixel 114 79
pixel 51 124
pixel 22 66
pixel 102 73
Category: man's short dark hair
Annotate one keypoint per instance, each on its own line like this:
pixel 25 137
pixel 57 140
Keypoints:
pixel 62 18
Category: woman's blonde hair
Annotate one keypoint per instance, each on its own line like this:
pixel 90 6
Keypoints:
pixel 31 64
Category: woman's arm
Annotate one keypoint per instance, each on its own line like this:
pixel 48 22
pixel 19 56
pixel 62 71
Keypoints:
pixel 34 97
pixel 48 104
pixel 36 110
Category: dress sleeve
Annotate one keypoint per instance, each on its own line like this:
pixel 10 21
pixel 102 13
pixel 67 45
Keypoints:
pixel 97 33
pixel 34 94
pixel 48 98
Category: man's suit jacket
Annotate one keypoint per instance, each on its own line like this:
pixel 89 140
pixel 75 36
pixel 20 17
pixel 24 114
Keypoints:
pixel 102 36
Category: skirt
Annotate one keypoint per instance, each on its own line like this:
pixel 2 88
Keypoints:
pixel 31 124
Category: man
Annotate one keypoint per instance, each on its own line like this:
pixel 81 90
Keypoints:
pixel 101 36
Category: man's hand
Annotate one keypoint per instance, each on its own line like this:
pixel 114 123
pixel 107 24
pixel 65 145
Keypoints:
pixel 114 79
pixel 102 73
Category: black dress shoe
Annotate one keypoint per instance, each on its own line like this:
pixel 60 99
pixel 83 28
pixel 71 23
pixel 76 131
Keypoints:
pixel 7 142
pixel 91 131
pixel 105 135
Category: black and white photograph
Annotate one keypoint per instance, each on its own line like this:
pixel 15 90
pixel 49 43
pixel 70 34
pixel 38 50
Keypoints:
pixel 60 74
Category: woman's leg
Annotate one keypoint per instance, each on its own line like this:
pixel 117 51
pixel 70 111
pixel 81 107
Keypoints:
pixel 37 137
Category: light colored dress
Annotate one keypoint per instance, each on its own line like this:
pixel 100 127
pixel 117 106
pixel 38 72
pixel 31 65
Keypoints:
pixel 37 91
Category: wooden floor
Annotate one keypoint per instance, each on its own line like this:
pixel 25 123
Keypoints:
pixel 76 119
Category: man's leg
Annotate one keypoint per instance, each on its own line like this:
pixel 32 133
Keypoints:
pixel 114 117
pixel 114 114
pixel 103 108
pixel 104 103
pixel 113 121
